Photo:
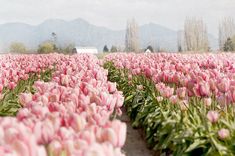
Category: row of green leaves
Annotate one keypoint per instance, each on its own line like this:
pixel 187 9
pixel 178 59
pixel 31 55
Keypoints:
pixel 168 129
pixel 9 103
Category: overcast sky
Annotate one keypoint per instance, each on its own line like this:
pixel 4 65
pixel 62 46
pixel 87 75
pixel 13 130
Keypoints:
pixel 114 13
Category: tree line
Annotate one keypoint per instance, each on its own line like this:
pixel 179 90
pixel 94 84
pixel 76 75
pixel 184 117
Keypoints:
pixel 194 36
pixel 45 47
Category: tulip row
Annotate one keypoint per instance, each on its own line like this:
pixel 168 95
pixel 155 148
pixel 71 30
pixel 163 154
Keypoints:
pixel 184 103
pixel 18 73
pixel 69 116
pixel 10 102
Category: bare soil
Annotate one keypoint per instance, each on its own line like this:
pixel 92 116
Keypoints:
pixel 135 144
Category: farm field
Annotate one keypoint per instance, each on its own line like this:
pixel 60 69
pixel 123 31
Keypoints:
pixel 58 105
pixel 120 104
pixel 184 103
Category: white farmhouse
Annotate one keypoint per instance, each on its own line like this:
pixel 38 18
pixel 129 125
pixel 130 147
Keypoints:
pixel 88 50
pixel 147 51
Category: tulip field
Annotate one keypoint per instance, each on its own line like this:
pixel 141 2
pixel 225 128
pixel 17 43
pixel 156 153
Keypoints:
pixel 67 105
pixel 184 103
pixel 58 105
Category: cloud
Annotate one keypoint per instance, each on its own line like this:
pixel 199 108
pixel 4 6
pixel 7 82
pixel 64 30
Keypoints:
pixel 114 13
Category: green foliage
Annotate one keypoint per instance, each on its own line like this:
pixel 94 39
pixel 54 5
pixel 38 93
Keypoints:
pixel 68 49
pixel 229 45
pixel 168 129
pixel 113 49
pixel 9 104
pixel 105 49
pixel 46 47
pixel 17 47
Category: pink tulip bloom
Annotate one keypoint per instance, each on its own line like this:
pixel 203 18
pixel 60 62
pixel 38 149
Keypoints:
pixel 213 116
pixel 207 102
pixel 120 100
pixel 181 92
pixel 12 85
pixel 223 134
pixel 55 148
pixel 222 100
pixel 159 98
pixel 202 90
pixel 224 85
pixel 116 134
pixel 25 98
pixel 167 92
pixel 174 99
pixel 112 87
pixel 1 88
pixel 65 80
pixel 77 122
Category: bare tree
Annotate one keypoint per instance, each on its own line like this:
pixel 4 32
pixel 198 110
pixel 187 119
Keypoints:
pixel 132 36
pixel 226 30
pixel 195 35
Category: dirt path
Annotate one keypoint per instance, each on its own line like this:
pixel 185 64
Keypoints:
pixel 135 144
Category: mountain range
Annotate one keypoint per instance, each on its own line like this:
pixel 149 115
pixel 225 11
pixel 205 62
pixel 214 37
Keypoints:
pixel 82 33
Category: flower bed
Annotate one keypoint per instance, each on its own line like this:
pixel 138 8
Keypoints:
pixel 184 103
pixel 69 115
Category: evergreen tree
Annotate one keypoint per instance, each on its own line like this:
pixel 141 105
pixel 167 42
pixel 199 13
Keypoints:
pixel 113 49
pixel 105 49
pixel 228 45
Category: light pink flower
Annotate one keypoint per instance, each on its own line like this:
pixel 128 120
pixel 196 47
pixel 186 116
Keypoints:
pixel 223 134
pixel 174 99
pixel 112 87
pixel 181 92
pixel 213 116
pixel 159 98
pixel 25 98
pixel 204 89
pixel 207 101
pixel 224 85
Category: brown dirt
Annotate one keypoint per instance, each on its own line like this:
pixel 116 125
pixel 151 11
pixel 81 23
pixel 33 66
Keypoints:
pixel 135 144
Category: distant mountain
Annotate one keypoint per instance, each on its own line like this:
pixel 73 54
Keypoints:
pixel 83 33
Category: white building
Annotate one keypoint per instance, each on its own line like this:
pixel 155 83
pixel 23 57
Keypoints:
pixel 89 50
pixel 147 51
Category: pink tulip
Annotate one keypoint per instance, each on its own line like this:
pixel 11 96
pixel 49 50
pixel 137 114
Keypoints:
pixel 1 88
pixel 213 116
pixel 223 134
pixel 167 92
pixel 224 85
pixel 159 98
pixel 181 92
pixel 204 89
pixel 55 148
pixel 12 85
pixel 222 100
pixel 77 122
pixel 116 134
pixel 112 87
pixel 207 102
pixel 174 99
pixel 25 98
